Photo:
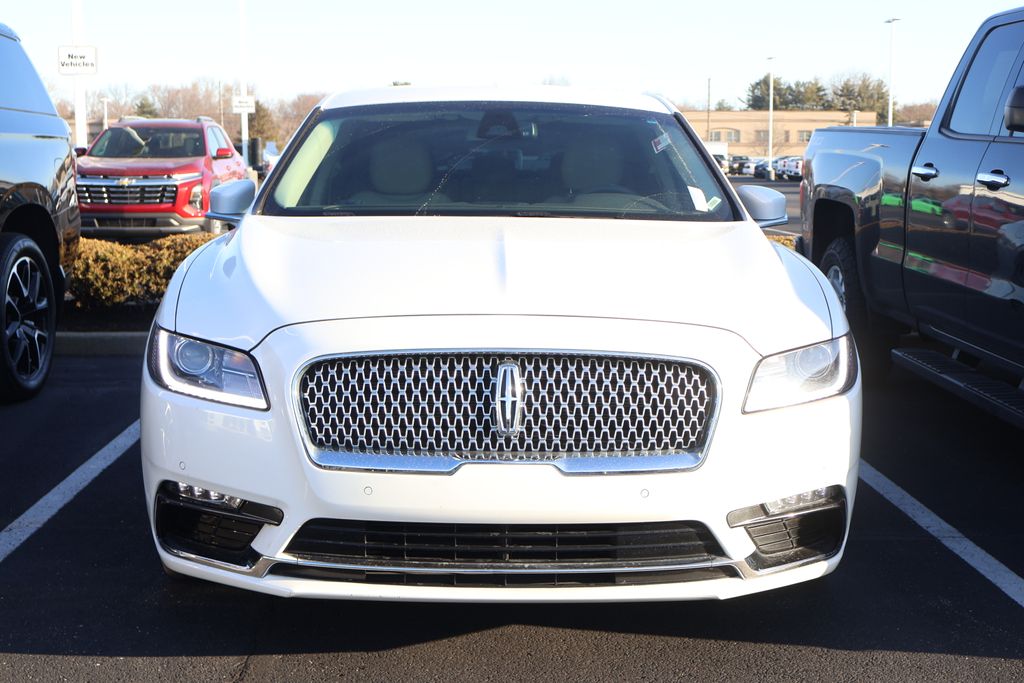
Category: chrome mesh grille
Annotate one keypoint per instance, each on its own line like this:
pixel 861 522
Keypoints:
pixel 442 404
pixel 129 194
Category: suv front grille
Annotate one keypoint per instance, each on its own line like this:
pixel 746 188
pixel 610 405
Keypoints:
pixel 443 404
pixel 505 547
pixel 127 194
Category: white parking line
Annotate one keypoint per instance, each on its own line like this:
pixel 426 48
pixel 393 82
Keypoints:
pixel 986 565
pixel 18 531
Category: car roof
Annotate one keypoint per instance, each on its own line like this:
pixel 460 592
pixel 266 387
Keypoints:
pixel 549 94
pixel 8 32
pixel 159 123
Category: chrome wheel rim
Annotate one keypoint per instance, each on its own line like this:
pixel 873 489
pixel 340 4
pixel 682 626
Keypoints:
pixel 26 317
pixel 835 277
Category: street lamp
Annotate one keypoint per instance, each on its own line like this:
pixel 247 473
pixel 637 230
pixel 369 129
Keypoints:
pixel 892 42
pixel 771 119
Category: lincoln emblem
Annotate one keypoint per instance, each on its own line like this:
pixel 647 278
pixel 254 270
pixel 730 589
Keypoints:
pixel 509 392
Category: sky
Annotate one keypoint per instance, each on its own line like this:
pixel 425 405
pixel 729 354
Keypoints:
pixel 303 46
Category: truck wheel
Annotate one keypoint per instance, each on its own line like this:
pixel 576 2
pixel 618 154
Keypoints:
pixel 28 318
pixel 839 263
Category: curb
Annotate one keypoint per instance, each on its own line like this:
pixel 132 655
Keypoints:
pixel 101 343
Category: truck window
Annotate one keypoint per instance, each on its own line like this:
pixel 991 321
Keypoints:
pixel 981 93
pixel 22 88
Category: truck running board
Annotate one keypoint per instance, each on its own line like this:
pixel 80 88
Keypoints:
pixel 999 398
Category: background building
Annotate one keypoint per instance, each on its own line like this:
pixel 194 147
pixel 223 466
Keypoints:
pixel 746 132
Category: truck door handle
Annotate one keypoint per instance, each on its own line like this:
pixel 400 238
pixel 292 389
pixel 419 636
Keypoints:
pixel 926 172
pixel 994 180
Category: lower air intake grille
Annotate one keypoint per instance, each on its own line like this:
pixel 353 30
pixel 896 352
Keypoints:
pixel 505 547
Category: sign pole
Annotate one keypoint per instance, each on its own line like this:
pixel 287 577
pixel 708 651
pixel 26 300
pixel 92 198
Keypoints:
pixel 242 86
pixel 81 125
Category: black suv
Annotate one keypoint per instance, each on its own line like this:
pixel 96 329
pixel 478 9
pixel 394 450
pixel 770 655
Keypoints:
pixel 39 221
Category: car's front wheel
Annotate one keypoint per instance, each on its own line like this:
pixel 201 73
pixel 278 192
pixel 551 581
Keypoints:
pixel 28 318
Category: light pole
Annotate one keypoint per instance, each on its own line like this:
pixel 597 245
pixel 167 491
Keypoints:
pixel 771 118
pixel 892 42
pixel 106 119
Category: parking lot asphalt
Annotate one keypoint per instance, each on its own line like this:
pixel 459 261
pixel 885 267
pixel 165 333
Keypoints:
pixel 84 598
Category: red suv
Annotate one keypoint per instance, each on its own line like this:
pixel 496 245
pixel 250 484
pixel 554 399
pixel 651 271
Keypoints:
pixel 150 177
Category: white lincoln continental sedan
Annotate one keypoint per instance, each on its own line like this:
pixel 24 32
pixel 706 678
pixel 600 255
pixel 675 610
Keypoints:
pixel 499 345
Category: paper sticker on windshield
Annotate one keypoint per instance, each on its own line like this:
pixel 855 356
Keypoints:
pixel 713 203
pixel 700 201
pixel 661 143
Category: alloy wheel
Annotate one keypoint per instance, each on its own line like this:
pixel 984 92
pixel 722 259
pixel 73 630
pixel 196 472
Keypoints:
pixel 26 313
pixel 835 277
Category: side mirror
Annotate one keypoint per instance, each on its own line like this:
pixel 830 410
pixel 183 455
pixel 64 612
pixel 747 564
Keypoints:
pixel 765 205
pixel 223 153
pixel 1013 113
pixel 230 201
pixel 80 151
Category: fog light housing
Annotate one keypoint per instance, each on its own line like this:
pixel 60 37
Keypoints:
pixel 787 532
pixel 797 502
pixel 207 496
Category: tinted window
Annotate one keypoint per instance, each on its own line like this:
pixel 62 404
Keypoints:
pixel 981 94
pixel 211 140
pixel 495 159
pixel 21 88
pixel 149 141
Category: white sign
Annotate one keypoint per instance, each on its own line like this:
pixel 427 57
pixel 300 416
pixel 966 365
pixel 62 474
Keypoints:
pixel 243 105
pixel 76 60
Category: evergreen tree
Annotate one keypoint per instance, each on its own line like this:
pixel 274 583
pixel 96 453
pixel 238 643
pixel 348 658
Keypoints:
pixel 146 107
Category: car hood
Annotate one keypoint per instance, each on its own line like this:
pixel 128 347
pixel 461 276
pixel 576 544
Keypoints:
pixel 274 271
pixel 135 167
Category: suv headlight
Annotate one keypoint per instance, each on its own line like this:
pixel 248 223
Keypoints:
pixel 803 375
pixel 208 371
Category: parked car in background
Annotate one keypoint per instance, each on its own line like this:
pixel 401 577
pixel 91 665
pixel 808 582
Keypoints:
pixel 39 222
pixel 377 397
pixel 722 162
pixel 151 177
pixel 923 231
pixel 791 168
pixel 749 165
pixel 736 163
pixel 761 169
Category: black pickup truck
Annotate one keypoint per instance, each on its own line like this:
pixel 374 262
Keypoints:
pixel 924 229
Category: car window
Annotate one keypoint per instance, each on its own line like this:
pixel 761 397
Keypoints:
pixel 222 139
pixel 149 141
pixel 498 159
pixel 21 87
pixel 980 96
pixel 212 143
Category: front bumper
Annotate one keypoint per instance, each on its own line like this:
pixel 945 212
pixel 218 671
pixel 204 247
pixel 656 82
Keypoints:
pixel 142 224
pixel 261 457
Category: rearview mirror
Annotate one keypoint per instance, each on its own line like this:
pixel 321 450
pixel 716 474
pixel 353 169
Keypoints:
pixel 223 153
pixel 1013 113
pixel 765 205
pixel 230 201
pixel 80 151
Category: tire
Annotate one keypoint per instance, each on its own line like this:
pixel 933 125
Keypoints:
pixel 839 264
pixel 28 318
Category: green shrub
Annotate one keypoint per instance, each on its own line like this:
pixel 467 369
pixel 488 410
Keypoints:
pixel 111 274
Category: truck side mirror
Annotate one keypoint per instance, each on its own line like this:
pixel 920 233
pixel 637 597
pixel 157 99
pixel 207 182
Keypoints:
pixel 1013 114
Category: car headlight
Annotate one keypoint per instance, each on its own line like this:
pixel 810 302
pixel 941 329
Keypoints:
pixel 802 375
pixel 208 371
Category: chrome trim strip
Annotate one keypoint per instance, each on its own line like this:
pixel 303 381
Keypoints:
pixel 136 181
pixel 258 570
pixel 436 464
pixel 441 568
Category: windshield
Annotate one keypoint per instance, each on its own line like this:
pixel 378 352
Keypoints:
pixel 486 158
pixel 149 142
